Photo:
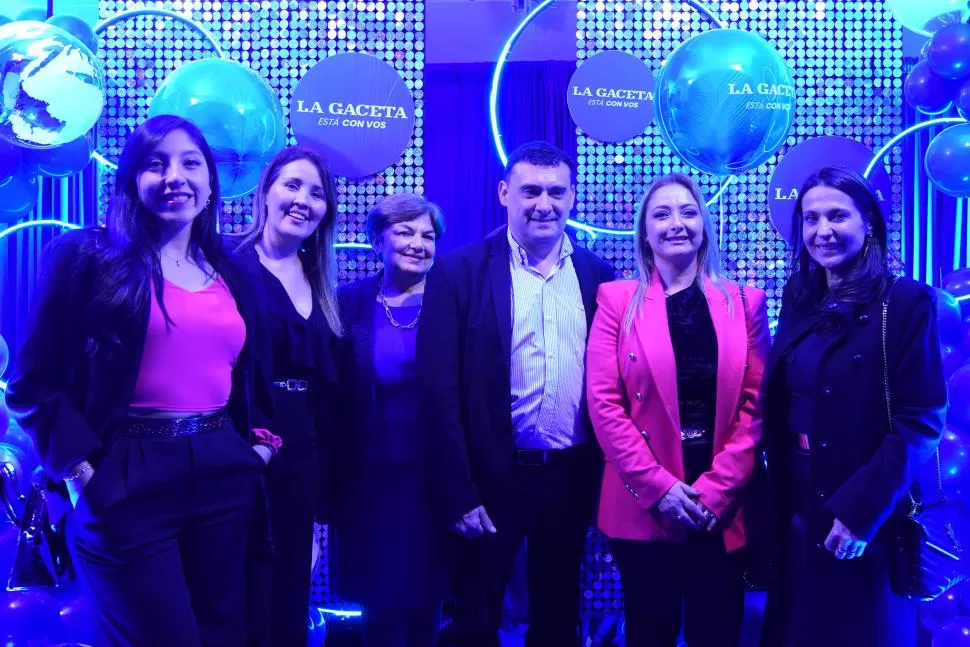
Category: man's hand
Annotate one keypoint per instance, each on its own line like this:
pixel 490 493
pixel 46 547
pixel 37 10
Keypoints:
pixel 475 523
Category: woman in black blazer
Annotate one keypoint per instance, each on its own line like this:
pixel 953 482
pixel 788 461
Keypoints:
pixel 840 473
pixel 385 547
pixel 154 444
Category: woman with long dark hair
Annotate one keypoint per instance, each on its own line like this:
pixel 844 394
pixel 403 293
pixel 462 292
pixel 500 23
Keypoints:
pixel 291 246
pixel 136 383
pixel 839 470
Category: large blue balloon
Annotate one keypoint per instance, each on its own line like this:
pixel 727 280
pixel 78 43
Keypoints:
pixel 53 85
pixel 18 195
pixel 235 109
pixel 725 101
pixel 11 158
pixel 949 51
pixel 928 16
pixel 77 27
pixel 955 634
pixel 63 161
pixel 928 92
pixel 948 161
pixel 949 319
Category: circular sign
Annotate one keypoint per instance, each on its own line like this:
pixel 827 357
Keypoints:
pixel 356 110
pixel 610 96
pixel 807 157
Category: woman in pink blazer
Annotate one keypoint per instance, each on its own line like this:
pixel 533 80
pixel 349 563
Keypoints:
pixel 673 373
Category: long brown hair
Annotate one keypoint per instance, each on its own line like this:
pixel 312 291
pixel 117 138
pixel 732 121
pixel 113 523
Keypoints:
pixel 317 253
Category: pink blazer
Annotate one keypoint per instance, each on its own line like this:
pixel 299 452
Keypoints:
pixel 632 393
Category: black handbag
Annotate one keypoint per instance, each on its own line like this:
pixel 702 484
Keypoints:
pixel 932 538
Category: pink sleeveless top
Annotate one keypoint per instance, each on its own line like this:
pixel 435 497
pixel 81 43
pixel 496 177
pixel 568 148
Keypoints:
pixel 187 366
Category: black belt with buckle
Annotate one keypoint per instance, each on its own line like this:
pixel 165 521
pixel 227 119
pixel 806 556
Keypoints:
pixel 539 457
pixel 137 427
pixel 293 386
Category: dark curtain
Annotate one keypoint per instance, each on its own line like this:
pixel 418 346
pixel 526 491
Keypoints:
pixel 461 165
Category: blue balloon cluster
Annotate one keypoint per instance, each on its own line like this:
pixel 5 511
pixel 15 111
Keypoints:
pixel 240 116
pixel 46 116
pixel 725 101
pixel 935 83
pixel 941 616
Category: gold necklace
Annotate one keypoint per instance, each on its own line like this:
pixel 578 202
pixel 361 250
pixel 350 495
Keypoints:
pixel 390 317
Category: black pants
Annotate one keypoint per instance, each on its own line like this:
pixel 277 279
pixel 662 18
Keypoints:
pixel 159 539
pixel 293 480
pixel 695 583
pixel 417 627
pixel 551 507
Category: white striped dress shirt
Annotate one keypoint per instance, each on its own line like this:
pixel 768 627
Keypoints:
pixel 548 350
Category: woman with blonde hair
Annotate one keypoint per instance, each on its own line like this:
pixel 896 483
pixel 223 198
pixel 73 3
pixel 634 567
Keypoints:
pixel 673 373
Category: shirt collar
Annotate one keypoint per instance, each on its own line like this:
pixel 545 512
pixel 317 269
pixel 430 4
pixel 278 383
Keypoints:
pixel 519 254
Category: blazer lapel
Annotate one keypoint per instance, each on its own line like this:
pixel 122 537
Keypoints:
pixel 653 333
pixel 732 351
pixel 500 279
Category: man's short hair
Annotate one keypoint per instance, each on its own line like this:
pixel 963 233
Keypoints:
pixel 538 153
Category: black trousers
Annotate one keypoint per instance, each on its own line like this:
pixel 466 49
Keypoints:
pixel 551 508
pixel 415 627
pixel 158 537
pixel 293 481
pixel 665 584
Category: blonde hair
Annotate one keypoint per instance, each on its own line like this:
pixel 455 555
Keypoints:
pixel 708 255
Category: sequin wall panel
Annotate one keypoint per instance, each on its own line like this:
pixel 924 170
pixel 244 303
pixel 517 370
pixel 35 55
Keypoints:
pixel 280 40
pixel 846 59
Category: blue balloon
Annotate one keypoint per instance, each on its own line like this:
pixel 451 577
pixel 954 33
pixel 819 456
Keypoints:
pixel 954 634
pixel 4 355
pixel 18 195
pixel 32 13
pixel 948 161
pixel 4 20
pixel 240 116
pixel 63 161
pixel 949 319
pixel 77 27
pixel 963 100
pixel 11 159
pixel 928 92
pixel 58 93
pixel 725 101
pixel 949 51
pixel 928 16
pixel 940 612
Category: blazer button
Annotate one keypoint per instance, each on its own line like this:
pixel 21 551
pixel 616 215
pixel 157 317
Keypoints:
pixel 827 391
pixel 864 319
pixel 858 359
pixel 633 357
pixel 824 444
pixel 822 494
pixel 639 397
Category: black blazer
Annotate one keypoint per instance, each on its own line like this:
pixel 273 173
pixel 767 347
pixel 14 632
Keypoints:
pixel 76 371
pixel 464 359
pixel 861 468
pixel 357 399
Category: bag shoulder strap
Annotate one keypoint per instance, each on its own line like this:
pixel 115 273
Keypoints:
pixel 914 504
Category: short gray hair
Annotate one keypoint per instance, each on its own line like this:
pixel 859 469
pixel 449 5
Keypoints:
pixel 402 207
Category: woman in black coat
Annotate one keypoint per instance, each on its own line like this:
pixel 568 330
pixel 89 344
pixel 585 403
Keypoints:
pixel 385 547
pixel 840 473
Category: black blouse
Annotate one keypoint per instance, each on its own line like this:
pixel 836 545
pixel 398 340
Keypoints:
pixel 302 350
pixel 695 353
